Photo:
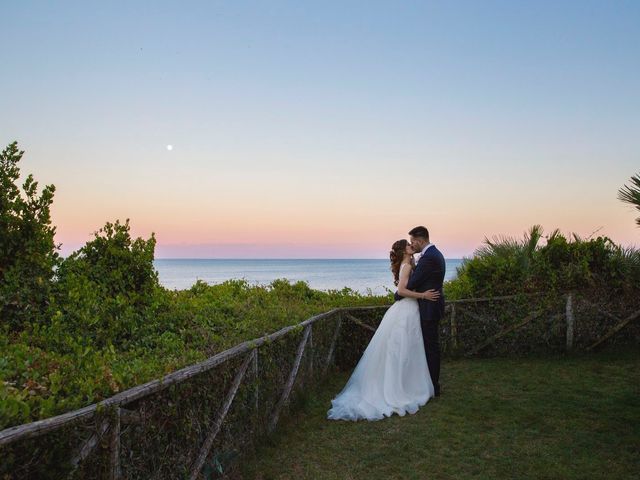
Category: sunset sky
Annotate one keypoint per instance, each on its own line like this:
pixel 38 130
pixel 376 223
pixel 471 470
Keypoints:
pixel 325 129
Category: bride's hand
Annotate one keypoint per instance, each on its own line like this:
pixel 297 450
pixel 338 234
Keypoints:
pixel 432 295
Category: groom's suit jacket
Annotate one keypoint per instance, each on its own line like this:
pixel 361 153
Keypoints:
pixel 428 275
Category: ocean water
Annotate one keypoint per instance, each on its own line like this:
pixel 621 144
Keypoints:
pixel 359 275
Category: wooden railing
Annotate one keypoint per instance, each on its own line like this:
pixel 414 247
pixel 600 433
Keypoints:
pixel 560 313
pixel 457 320
pixel 119 414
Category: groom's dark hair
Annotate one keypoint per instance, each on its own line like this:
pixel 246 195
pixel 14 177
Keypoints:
pixel 421 232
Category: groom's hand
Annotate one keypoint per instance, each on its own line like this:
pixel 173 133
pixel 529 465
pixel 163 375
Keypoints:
pixel 397 296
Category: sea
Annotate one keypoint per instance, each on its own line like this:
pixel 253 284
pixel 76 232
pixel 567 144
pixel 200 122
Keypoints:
pixel 363 276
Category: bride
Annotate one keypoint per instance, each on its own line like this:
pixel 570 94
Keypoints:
pixel 392 374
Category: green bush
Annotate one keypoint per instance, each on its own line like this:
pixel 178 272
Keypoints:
pixel 106 290
pixel 28 255
pixel 505 266
pixel 71 362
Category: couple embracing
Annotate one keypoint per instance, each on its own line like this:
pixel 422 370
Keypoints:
pixel 399 370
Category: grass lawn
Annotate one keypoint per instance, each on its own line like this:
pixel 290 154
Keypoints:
pixel 572 417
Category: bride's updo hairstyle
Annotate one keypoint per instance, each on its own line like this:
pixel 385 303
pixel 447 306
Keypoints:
pixel 396 255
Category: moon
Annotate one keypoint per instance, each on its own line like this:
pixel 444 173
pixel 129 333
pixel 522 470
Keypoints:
pixel 169 147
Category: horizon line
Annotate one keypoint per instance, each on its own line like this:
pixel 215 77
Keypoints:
pixel 279 258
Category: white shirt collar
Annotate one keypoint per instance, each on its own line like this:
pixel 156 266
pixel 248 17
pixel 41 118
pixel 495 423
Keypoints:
pixel 425 249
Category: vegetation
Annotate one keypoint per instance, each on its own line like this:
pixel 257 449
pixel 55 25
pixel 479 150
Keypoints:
pixel 70 362
pixel 74 331
pixel 564 417
pixel 631 194
pixel 27 251
pixel 107 290
pixel 504 266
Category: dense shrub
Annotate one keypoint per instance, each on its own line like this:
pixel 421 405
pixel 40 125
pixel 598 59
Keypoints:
pixel 65 365
pixel 28 255
pixel 106 290
pixel 504 266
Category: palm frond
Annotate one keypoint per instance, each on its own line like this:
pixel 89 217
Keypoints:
pixel 532 238
pixel 499 245
pixel 554 235
pixel 631 194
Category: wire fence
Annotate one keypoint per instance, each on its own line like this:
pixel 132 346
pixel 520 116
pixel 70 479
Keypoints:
pixel 197 422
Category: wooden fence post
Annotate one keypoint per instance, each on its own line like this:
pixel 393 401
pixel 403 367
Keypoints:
pixel 292 377
pixel 454 327
pixel 334 341
pixel 570 321
pixel 114 447
pixel 87 447
pixel 256 391
pixel 217 423
pixel 311 353
pixel 505 331
pixel 615 329
pixel 360 323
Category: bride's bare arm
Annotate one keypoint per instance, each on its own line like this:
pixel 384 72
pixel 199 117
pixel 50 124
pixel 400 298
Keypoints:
pixel 432 295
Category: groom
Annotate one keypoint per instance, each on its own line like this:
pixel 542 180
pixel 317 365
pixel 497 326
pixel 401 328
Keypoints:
pixel 428 274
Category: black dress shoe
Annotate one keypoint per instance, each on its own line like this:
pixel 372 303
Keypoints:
pixel 436 391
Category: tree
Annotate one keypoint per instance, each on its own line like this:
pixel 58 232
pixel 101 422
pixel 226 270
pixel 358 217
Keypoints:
pixel 28 254
pixel 631 194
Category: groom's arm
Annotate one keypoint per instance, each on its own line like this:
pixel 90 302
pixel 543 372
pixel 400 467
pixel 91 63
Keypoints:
pixel 419 275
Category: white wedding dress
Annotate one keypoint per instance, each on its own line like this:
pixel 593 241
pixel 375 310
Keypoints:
pixel 392 375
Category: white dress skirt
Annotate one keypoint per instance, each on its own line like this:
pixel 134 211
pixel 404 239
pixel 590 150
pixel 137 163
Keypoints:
pixel 392 375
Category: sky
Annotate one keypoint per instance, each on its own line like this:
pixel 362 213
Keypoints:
pixel 325 129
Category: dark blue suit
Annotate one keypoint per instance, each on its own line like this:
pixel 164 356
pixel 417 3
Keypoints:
pixel 429 275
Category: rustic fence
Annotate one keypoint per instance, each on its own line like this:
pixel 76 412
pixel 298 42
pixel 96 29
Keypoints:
pixel 197 422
